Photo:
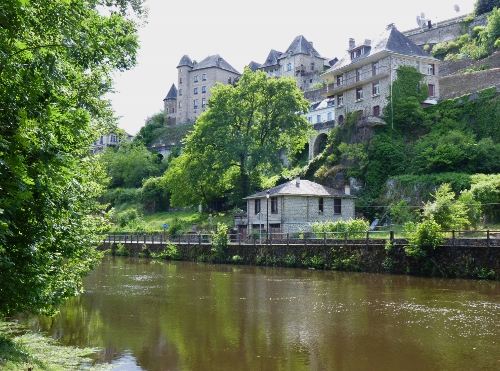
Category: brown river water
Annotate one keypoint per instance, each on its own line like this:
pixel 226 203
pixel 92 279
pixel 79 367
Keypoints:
pixel 148 315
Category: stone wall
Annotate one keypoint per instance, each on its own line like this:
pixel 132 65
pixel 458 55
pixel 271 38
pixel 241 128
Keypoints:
pixel 456 66
pixel 474 258
pixel 457 85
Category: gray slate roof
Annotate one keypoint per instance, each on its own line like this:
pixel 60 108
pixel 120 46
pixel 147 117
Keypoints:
pixel 185 61
pixel 300 45
pixel 215 61
pixel 172 93
pixel 272 58
pixel 391 41
pixel 254 66
pixel 305 188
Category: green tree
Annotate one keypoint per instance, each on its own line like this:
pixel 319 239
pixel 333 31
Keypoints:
pixel 148 133
pixel 56 64
pixel 128 165
pixel 485 6
pixel 404 112
pixel 446 210
pixel 242 134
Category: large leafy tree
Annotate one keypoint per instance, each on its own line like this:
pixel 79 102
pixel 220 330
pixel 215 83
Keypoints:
pixel 485 6
pixel 243 133
pixel 56 60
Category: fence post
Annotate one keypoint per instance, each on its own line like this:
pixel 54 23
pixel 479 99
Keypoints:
pixel 345 238
pixel 324 238
pixel 367 237
pixel 199 239
pixel 488 239
pixel 287 238
pixel 391 236
pixel 453 237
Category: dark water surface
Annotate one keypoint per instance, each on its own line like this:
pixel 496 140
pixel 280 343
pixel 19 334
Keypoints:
pixel 197 316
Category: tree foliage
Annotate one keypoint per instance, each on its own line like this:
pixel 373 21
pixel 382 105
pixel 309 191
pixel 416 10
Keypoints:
pixel 128 165
pixel 485 6
pixel 241 136
pixel 56 59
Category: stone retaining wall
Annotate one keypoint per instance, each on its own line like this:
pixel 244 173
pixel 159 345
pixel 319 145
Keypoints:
pixel 474 258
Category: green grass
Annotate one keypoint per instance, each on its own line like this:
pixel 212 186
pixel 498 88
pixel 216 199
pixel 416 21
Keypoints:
pixel 30 350
pixel 185 220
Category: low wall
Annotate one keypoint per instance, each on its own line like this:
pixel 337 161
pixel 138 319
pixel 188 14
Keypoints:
pixel 473 258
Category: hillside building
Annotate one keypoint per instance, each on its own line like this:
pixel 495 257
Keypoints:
pixel 195 79
pixel 361 80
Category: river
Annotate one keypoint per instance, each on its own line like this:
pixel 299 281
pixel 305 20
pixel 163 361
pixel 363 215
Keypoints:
pixel 149 315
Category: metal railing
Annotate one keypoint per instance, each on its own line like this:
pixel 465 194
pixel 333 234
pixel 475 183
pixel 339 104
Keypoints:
pixel 376 237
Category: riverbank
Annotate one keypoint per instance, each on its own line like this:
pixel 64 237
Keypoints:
pixel 22 350
pixel 464 258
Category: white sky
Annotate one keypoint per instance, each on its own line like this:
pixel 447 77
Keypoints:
pixel 245 32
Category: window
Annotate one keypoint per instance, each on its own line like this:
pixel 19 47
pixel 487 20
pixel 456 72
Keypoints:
pixel 195 78
pixel 375 68
pixel 432 90
pixel 204 77
pixel 337 206
pixel 310 119
pixel 173 110
pixel 329 114
pixel 203 102
pixel 376 88
pixel 359 93
pixel 195 104
pixel 312 66
pixel 257 206
pixel 318 119
pixel 340 80
pixel 359 74
pixel 180 80
pixel 340 100
pixel 229 80
pixel 341 119
pixel 376 111
pixel 330 103
pixel 203 89
pixel 320 205
pixel 357 53
pixel 180 104
pixel 431 69
pixel 196 90
pixel 274 205
pixel 180 91
pixel 288 66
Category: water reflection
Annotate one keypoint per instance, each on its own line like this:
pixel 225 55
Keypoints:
pixel 186 316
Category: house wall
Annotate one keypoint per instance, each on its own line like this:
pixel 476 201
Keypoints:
pixel 295 213
pixel 387 74
pixel 301 69
pixel 186 111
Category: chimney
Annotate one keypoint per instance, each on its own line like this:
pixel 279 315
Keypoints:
pixel 352 43
pixel 347 189
pixel 429 24
pixel 297 182
pixel 310 42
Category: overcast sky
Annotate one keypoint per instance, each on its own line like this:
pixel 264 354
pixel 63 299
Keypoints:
pixel 245 32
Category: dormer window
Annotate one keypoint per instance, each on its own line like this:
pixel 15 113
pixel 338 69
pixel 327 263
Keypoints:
pixel 357 53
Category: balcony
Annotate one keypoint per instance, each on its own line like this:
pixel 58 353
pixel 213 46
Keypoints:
pixel 352 81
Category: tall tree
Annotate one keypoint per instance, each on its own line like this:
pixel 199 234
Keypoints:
pixel 56 60
pixel 246 129
pixel 485 6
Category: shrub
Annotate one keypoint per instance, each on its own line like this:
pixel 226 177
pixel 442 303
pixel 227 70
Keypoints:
pixel 423 238
pixel 121 250
pixel 355 228
pixel 171 252
pixel 220 241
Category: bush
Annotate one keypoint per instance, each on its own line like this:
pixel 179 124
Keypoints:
pixel 220 241
pixel 355 228
pixel 171 252
pixel 423 238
